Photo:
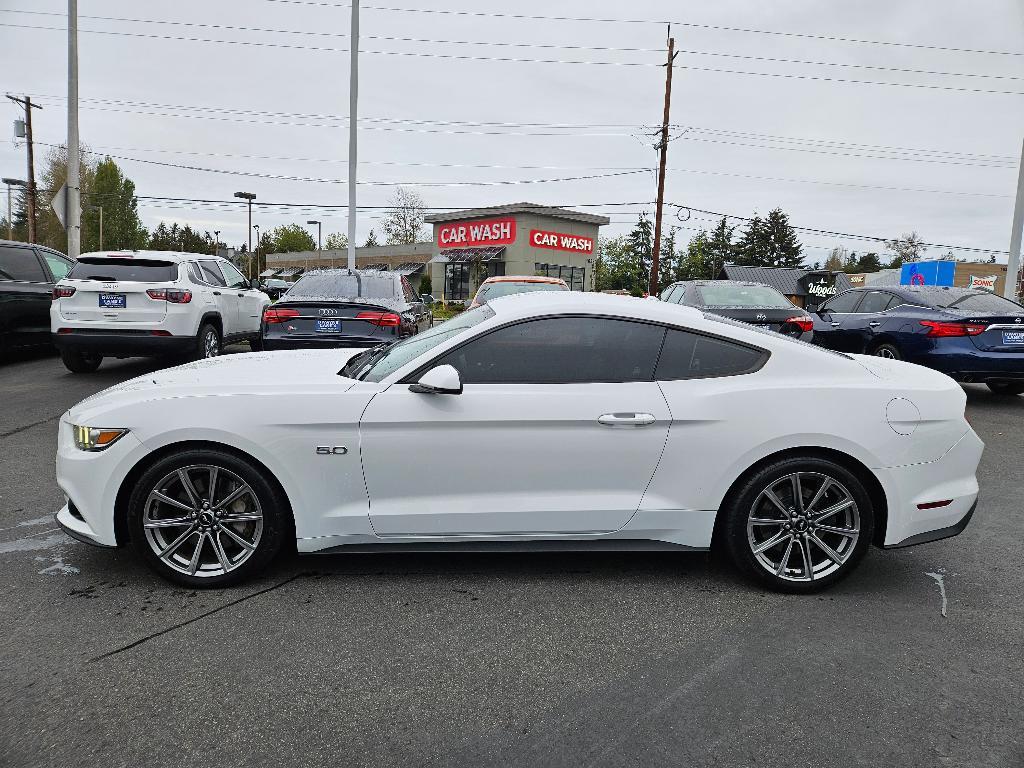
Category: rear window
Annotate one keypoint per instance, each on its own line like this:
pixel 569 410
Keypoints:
pixel 977 302
pixel 737 295
pixel 497 290
pixel 127 270
pixel 339 285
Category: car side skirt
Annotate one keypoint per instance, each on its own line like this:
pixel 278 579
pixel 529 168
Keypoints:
pixel 526 545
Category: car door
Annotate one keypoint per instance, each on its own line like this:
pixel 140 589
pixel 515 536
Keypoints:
pixel 226 301
pixel 250 302
pixel 861 327
pixel 25 295
pixel 834 321
pixel 558 430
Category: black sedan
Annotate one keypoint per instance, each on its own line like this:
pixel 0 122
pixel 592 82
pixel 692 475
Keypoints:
pixel 342 308
pixel 275 288
pixel 754 303
pixel 967 333
pixel 28 274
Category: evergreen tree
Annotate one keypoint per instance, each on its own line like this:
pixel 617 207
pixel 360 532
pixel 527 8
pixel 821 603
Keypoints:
pixel 371 239
pixel 770 242
pixel 720 247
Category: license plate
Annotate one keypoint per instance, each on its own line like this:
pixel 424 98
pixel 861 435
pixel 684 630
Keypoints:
pixel 1013 337
pixel 328 326
pixel 112 300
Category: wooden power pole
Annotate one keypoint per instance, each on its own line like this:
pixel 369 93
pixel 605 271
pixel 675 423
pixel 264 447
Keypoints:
pixel 30 191
pixel 663 147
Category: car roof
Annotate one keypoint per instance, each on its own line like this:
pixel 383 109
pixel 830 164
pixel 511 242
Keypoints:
pixel 176 256
pixel 389 273
pixel 536 302
pixel 523 279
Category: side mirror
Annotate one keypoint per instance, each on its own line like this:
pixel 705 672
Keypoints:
pixel 443 380
pixel 254 284
pixel 427 299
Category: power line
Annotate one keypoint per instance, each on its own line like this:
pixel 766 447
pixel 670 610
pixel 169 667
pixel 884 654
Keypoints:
pixel 498 43
pixel 659 22
pixel 522 60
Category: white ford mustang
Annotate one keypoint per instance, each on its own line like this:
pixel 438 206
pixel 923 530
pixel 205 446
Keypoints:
pixel 547 420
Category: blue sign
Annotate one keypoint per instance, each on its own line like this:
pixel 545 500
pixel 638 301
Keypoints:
pixel 928 273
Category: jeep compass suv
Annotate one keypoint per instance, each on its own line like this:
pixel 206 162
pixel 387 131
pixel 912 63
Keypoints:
pixel 148 303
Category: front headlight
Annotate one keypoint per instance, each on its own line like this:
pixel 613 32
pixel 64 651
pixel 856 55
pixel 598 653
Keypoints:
pixel 95 438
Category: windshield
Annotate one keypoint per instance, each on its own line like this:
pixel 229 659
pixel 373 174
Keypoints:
pixel 128 270
pixel 978 302
pixel 497 290
pixel 342 285
pixel 382 362
pixel 739 295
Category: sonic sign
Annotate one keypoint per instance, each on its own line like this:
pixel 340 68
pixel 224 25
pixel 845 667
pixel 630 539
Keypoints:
pixel 474 234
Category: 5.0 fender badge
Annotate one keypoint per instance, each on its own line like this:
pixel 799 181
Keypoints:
pixel 331 450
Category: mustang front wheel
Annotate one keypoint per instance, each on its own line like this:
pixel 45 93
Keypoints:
pixel 800 525
pixel 205 518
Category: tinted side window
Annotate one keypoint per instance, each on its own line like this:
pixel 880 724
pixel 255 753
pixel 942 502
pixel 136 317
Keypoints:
pixel 667 294
pixel 21 264
pixel 59 267
pixel 211 273
pixel 875 301
pixel 844 302
pixel 690 356
pixel 563 350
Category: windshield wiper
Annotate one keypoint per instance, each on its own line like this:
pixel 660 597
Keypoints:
pixel 356 361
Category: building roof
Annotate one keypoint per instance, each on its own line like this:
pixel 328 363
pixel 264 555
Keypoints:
pixel 502 210
pixel 785 280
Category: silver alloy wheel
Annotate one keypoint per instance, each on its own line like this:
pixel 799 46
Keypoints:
pixel 885 352
pixel 211 348
pixel 203 520
pixel 806 511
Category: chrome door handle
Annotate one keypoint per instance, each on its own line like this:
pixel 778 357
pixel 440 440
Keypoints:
pixel 835 325
pixel 875 324
pixel 626 419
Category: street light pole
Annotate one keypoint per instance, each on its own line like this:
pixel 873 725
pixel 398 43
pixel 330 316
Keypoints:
pixel 256 254
pixel 1013 263
pixel 10 221
pixel 216 241
pixel 319 255
pixel 353 102
pixel 74 198
pixel 249 196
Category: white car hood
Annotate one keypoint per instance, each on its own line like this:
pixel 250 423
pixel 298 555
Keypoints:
pixel 230 374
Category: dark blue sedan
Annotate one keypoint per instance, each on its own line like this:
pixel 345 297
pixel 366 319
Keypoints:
pixel 969 334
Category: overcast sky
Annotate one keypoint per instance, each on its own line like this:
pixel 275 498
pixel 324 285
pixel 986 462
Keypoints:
pixel 855 158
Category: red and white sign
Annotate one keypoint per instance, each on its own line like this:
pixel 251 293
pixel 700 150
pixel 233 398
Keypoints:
pixel 473 234
pixel 560 241
pixel 988 283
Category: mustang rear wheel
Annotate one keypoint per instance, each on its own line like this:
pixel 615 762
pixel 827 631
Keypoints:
pixel 800 524
pixel 206 518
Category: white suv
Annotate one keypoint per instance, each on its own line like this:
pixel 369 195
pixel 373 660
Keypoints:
pixel 147 303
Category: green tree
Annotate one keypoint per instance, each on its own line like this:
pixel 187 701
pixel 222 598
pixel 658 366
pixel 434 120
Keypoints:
pixel 720 248
pixel 371 240
pixel 115 192
pixel 287 238
pixel 770 242
pixel 425 284
pixel 177 238
pixel 869 262
pixel 336 241
pixel 403 221
pixel 906 248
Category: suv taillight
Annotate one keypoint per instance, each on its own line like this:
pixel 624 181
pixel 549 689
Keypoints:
pixel 170 295
pixel 63 292
pixel 936 328
pixel 272 315
pixel 381 319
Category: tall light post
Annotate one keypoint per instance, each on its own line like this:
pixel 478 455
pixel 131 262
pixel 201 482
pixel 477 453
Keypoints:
pixel 216 241
pixel 249 196
pixel 10 222
pixel 319 255
pixel 255 255
pixel 353 103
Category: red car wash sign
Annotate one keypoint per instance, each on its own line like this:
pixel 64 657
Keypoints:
pixel 471 234
pixel 560 241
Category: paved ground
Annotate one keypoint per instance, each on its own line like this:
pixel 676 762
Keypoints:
pixel 617 660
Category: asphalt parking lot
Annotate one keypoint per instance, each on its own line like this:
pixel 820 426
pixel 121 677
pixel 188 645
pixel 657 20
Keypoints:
pixel 517 660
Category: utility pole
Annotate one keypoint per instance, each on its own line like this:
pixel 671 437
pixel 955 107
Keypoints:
pixel 1013 264
pixel 255 255
pixel 30 192
pixel 319 255
pixel 216 241
pixel 663 147
pixel 353 101
pixel 74 194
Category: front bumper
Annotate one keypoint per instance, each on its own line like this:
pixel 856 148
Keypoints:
pixel 76 527
pixel 141 343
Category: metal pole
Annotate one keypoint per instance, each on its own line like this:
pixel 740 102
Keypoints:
pixel 1013 264
pixel 216 241
pixel 250 239
pixel 10 224
pixel 101 227
pixel 74 209
pixel 653 287
pixel 353 100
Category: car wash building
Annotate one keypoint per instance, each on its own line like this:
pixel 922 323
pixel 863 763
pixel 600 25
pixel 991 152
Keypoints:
pixel 519 239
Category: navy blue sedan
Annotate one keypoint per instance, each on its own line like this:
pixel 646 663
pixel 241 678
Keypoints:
pixel 969 334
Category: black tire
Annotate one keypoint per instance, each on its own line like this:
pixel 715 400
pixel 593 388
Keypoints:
pixel 888 351
pixel 80 362
pixel 256 343
pixel 740 507
pixel 1006 388
pixel 205 347
pixel 276 518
